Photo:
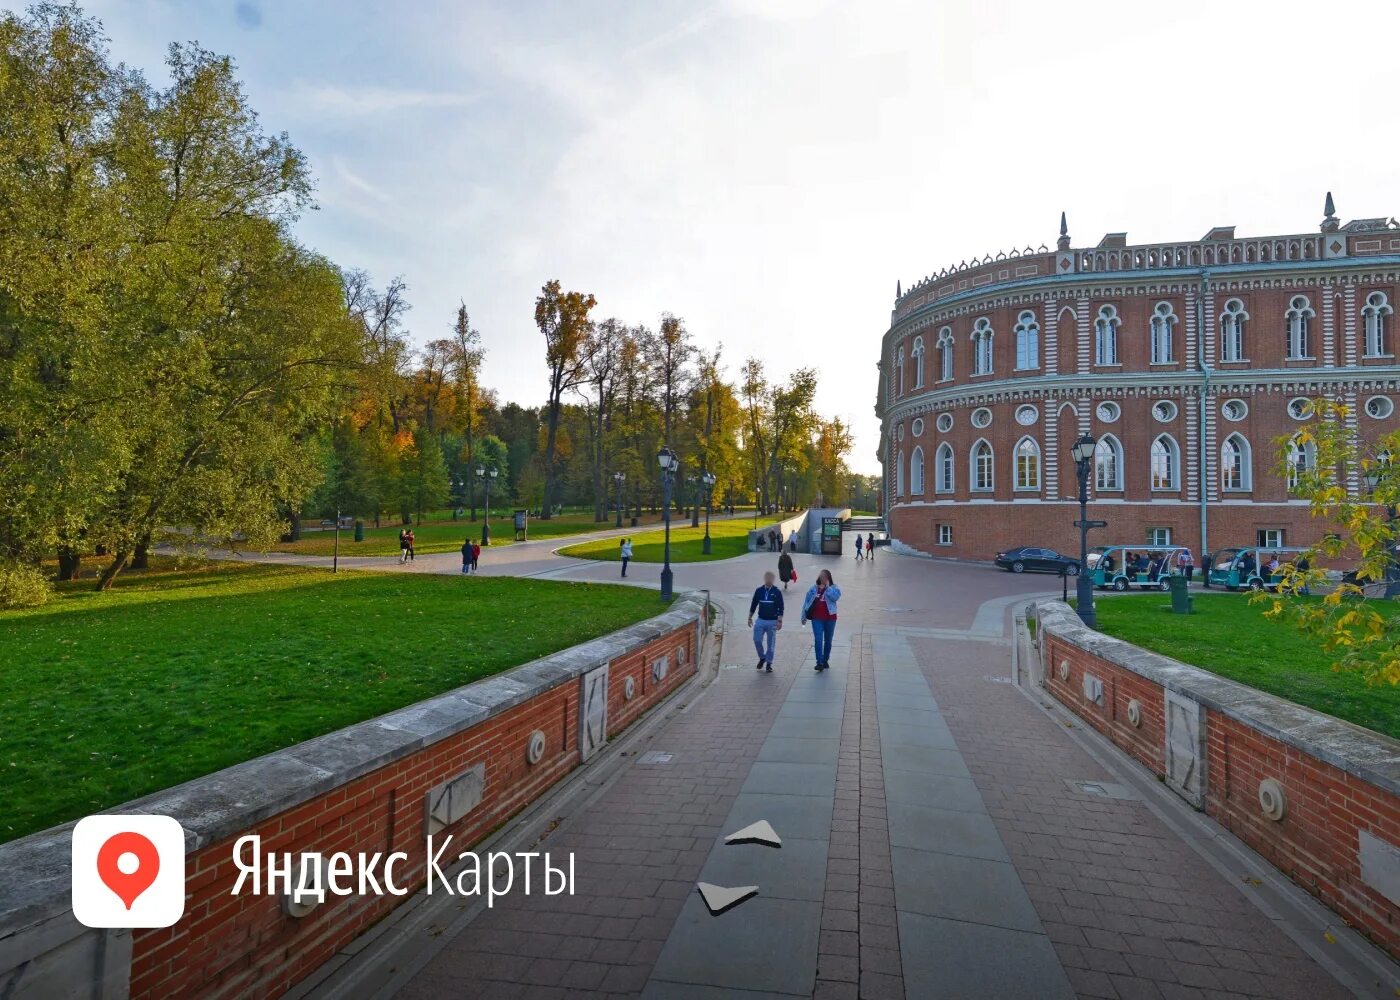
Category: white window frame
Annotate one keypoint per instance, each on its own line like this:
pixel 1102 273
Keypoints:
pixel 1027 341
pixel 1108 446
pixel 945 354
pixel 1373 323
pixel 1106 335
pixel 982 334
pixel 899 473
pixel 1236 464
pixel 1302 458
pixel 1233 318
pixel 945 534
pixel 1299 319
pixel 918 362
pixel 1159 536
pixel 916 472
pixel 982 467
pixel 1269 538
pixel 944 469
pixel 1026 474
pixel 1164 319
pixel 1165 445
pixel 899 367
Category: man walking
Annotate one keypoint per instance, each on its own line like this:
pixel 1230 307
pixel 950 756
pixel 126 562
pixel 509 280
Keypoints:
pixel 870 546
pixel 860 543
pixel 768 602
pixel 625 552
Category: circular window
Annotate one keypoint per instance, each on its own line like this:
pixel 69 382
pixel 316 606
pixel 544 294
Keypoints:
pixel 1235 409
pixel 981 417
pixel 1027 415
pixel 901 432
pixel 1164 411
pixel 918 427
pixel 1300 408
pixel 945 422
pixel 1379 407
pixel 1108 412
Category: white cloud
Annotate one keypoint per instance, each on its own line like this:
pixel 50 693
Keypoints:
pixel 359 101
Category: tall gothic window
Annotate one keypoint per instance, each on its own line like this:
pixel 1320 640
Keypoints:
pixel 1163 321
pixel 1108 464
pixel 983 467
pixel 1232 321
pixel 1375 317
pixel 943 468
pixel 1027 464
pixel 945 353
pixel 1299 320
pixel 982 347
pixel 1302 459
pixel 899 474
pixel 1166 463
pixel 1235 471
pixel 899 367
pixel 916 473
pixel 1027 341
pixel 1106 336
pixel 918 362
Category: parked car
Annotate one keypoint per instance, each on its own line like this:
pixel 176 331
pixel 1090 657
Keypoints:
pixel 1028 557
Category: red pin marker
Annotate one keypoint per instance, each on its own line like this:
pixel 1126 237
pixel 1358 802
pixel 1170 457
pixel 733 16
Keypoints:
pixel 128 885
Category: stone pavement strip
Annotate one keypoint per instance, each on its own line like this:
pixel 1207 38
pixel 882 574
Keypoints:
pixel 933 845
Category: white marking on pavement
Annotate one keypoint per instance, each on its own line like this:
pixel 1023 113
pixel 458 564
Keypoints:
pixel 761 832
pixel 719 898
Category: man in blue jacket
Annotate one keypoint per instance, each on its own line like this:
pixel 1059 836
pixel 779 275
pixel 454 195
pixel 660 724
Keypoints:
pixel 768 602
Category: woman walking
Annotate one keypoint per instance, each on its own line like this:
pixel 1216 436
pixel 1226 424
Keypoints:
pixel 626 553
pixel 819 607
pixel 785 572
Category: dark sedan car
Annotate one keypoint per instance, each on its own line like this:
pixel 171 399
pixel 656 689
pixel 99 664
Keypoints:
pixel 1028 557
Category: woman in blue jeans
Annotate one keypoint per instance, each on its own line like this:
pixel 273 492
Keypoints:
pixel 819 607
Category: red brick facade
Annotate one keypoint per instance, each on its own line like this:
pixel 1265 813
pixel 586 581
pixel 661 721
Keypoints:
pixel 1302 307
pixel 1315 842
pixel 245 946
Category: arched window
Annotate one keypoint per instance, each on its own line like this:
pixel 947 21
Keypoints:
pixel 1108 464
pixel 1163 320
pixel 1027 341
pixel 1166 463
pixel 1302 459
pixel 899 474
pixel 1027 464
pixel 1235 466
pixel 945 353
pixel 1299 318
pixel 982 347
pixel 1375 317
pixel 983 467
pixel 943 468
pixel 899 367
pixel 918 362
pixel 1106 336
pixel 916 473
pixel 1232 321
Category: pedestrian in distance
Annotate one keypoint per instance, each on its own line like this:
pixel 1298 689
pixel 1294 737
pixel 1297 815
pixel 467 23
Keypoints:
pixel 403 545
pixel 870 546
pixel 792 541
pixel 768 602
pixel 819 607
pixel 860 544
pixel 467 556
pixel 410 545
pixel 1185 564
pixel 785 572
pixel 625 551
pixel 476 555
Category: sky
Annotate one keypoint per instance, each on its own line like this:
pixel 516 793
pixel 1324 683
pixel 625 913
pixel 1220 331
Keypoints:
pixel 767 169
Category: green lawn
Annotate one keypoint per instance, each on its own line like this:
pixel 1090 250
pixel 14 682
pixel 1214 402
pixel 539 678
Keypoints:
pixel 442 534
pixel 727 539
pixel 1231 637
pixel 173 675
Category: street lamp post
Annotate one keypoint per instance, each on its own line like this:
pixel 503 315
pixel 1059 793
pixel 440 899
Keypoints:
pixel 487 477
pixel 670 464
pixel 708 480
pixel 1375 475
pixel 756 493
pixel 335 559
pixel 1083 452
pixel 619 478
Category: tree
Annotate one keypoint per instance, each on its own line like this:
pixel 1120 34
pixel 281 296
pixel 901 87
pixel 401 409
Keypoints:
pixel 466 359
pixel 602 357
pixel 757 418
pixel 563 319
pixel 423 479
pixel 792 422
pixel 1352 621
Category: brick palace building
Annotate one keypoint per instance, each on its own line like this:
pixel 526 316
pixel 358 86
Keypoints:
pixel 1188 362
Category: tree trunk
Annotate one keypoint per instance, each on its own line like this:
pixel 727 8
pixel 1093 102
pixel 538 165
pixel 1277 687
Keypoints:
pixel 551 435
pixel 141 558
pixel 69 563
pixel 109 575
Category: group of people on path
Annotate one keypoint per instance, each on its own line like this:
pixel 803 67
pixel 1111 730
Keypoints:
pixel 818 608
pixel 865 548
pixel 471 555
pixel 774 539
pixel 405 545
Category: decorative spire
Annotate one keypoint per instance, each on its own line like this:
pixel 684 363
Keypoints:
pixel 897 290
pixel 1063 243
pixel 1331 223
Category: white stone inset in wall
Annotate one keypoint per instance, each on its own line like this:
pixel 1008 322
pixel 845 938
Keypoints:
pixel 1185 748
pixel 534 749
pixel 629 688
pixel 1134 713
pixel 1093 689
pixel 1380 865
pixel 660 667
pixel 454 798
pixel 593 712
pixel 1272 802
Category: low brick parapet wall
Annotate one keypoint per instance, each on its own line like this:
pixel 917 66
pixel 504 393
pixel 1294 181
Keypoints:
pixel 1317 797
pixel 372 787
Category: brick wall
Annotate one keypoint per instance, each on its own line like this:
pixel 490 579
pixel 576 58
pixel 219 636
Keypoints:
pixel 245 945
pixel 1336 789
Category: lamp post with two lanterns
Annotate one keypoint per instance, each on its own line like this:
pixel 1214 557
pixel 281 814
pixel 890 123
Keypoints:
pixel 705 480
pixel 619 478
pixel 487 477
pixel 1083 452
pixel 670 465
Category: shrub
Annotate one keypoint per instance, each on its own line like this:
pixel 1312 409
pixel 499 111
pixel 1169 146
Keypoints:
pixel 23 586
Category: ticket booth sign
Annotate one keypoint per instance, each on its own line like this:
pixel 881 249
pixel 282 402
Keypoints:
pixel 522 520
pixel 831 536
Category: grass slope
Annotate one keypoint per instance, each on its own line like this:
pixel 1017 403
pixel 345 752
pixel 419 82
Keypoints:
pixel 727 539
pixel 1230 636
pixel 174 675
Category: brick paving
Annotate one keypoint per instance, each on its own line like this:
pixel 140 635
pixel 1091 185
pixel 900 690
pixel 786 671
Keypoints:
pixel 1132 910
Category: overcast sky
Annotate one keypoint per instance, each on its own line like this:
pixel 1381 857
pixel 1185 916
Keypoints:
pixel 767 169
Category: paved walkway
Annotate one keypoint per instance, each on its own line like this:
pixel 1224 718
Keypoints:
pixel 933 841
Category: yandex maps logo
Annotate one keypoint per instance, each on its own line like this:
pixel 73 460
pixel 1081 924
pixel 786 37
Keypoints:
pixel 128 871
